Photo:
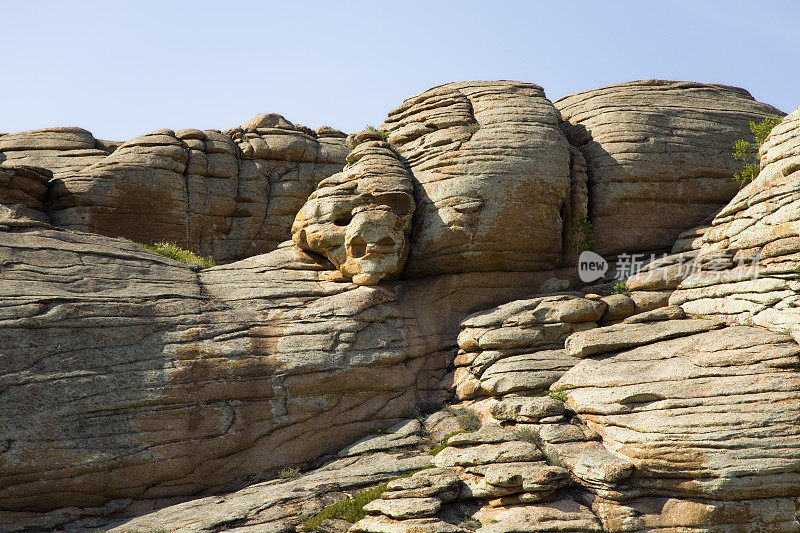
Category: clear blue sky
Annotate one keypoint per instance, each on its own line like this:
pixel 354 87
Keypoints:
pixel 123 69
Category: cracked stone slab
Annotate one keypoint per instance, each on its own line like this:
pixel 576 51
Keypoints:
pixel 618 337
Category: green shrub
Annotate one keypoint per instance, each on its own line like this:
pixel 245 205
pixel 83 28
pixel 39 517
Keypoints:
pixel 290 472
pixel 442 443
pixel 472 524
pixel 351 509
pixel 581 235
pixel 526 434
pixel 560 393
pixel 620 288
pixel 468 420
pixel 383 133
pixel 747 152
pixel 174 251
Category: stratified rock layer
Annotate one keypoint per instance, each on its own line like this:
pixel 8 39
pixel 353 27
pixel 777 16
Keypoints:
pixel 360 218
pixel 493 172
pixel 228 195
pixel 748 262
pixel 658 156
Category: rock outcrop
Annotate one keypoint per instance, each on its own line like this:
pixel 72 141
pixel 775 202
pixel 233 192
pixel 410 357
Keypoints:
pixel 139 393
pixel 658 156
pixel 747 268
pixel 228 195
pixel 493 177
pixel 360 218
pixel 22 193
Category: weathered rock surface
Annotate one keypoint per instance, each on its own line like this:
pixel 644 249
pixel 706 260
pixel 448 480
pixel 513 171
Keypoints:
pixel 215 376
pixel 64 151
pixel 658 156
pixel 22 192
pixel 228 195
pixel 702 416
pixel 519 346
pixel 360 218
pixel 488 157
pixel 131 382
pixel 750 254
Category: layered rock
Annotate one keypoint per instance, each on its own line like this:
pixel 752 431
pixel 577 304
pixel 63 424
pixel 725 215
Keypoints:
pixel 22 192
pixel 749 270
pixel 212 376
pixel 360 218
pixel 493 173
pixel 228 195
pixel 705 419
pixel 658 155
pixel 130 379
pixel 519 346
pixel 64 151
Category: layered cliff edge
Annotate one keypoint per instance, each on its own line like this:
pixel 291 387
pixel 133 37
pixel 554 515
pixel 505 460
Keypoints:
pixel 132 382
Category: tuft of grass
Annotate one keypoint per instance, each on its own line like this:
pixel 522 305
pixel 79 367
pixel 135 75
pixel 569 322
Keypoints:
pixel 467 419
pixel 472 524
pixel 351 509
pixel 383 133
pixel 290 472
pixel 443 443
pixel 560 393
pixel 620 288
pixel 527 434
pixel 173 251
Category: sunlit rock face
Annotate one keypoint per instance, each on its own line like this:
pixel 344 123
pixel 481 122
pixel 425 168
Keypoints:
pixel 492 178
pixel 658 156
pixel 360 218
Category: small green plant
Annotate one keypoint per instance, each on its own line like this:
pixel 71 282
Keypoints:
pixel 383 133
pixel 351 509
pixel 526 434
pixel 468 420
pixel 470 523
pixel 560 393
pixel 174 251
pixel 290 472
pixel 443 443
pixel 581 235
pixel 620 288
pixel 747 152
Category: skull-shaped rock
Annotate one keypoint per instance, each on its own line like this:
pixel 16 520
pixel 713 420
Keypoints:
pixel 360 218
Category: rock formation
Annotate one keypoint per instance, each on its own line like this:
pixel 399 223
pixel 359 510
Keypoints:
pixel 229 194
pixel 658 156
pixel 747 261
pixel 493 175
pixel 360 218
pixel 138 393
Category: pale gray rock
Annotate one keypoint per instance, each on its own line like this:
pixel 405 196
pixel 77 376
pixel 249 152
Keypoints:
pixel 404 508
pixel 227 195
pixel 749 270
pixel 405 433
pixel 564 514
pixel 658 156
pixel 505 452
pixel 701 416
pixel 526 409
pixel 618 337
pixel 383 524
pixel 455 138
